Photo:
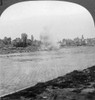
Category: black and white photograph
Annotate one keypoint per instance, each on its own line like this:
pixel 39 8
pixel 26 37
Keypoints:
pixel 47 49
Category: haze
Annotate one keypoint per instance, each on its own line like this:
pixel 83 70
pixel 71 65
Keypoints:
pixel 57 19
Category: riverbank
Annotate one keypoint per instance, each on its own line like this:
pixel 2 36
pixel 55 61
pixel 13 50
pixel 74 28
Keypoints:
pixel 11 50
pixel 76 85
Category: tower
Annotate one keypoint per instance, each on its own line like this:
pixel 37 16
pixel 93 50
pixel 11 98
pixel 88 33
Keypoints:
pixel 32 38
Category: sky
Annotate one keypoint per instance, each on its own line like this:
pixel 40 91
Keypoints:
pixel 55 19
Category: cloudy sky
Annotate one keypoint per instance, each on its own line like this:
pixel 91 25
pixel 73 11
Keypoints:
pixel 56 19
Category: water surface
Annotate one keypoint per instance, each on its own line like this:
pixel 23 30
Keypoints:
pixel 20 70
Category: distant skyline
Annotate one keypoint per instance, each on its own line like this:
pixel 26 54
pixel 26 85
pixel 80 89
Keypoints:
pixel 53 18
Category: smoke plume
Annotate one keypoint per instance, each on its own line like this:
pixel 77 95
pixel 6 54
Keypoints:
pixel 48 40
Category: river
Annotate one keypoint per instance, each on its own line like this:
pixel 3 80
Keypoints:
pixel 21 70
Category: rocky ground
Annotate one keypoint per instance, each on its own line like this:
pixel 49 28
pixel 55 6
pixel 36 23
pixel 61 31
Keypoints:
pixel 77 85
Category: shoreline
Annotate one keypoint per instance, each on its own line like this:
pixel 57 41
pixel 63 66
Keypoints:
pixel 30 49
pixel 77 85
pixel 17 50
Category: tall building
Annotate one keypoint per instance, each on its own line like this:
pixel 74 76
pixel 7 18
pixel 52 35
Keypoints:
pixel 82 38
pixel 24 39
pixel 83 42
pixel 32 38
